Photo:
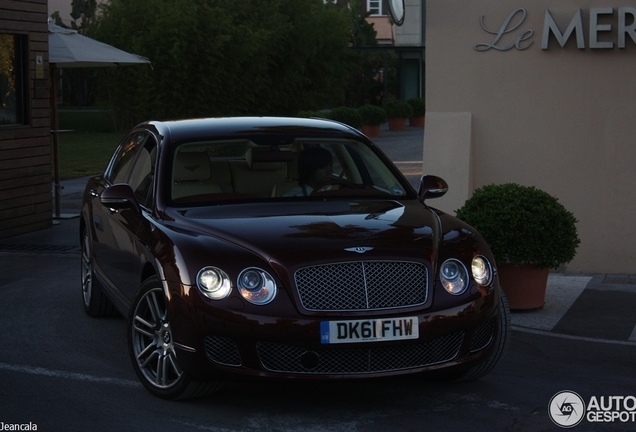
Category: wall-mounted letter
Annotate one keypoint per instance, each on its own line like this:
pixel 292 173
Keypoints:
pixel 622 28
pixel 595 27
pixel 504 29
pixel 549 26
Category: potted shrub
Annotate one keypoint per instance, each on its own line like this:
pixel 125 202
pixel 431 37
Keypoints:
pixel 419 110
pixel 398 111
pixel 528 231
pixel 372 118
pixel 346 115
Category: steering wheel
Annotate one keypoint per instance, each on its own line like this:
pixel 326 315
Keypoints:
pixel 344 184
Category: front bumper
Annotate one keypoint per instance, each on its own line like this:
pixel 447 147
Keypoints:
pixel 232 342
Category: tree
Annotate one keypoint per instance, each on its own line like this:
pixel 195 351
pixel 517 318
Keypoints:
pixel 226 57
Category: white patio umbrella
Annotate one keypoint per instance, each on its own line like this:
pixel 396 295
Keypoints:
pixel 69 49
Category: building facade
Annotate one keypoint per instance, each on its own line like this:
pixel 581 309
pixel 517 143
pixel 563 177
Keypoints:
pixel 25 146
pixel 407 41
pixel 539 93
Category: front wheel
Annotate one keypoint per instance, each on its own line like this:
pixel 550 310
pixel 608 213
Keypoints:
pixel 152 348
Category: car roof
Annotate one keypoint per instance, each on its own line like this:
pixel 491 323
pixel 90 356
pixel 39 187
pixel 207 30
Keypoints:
pixel 272 130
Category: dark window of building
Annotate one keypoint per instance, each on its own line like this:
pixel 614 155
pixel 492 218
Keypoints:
pixel 13 79
pixel 375 7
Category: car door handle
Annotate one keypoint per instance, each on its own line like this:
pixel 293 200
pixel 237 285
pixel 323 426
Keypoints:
pixel 94 193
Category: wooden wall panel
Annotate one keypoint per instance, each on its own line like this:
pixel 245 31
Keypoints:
pixel 25 150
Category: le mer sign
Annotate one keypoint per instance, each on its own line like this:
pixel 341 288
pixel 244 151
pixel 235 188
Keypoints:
pixel 575 27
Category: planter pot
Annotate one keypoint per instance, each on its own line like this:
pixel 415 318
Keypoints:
pixel 397 124
pixel 417 121
pixel 371 131
pixel 523 285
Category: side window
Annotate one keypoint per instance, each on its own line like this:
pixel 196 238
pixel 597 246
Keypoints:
pixel 142 175
pixel 121 163
pixel 14 79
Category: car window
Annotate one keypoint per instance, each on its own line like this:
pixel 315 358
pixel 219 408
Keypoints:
pixel 226 170
pixel 142 175
pixel 121 163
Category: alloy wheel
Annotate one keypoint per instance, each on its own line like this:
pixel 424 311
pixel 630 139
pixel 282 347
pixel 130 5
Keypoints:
pixel 152 343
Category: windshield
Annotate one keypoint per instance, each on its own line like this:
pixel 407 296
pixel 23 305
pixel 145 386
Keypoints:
pixel 211 172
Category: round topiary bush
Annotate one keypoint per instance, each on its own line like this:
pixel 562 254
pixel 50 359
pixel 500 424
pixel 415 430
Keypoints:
pixel 522 225
pixel 372 114
pixel 346 115
pixel 398 109
pixel 418 105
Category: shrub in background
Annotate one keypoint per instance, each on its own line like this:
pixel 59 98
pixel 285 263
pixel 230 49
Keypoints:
pixel 398 109
pixel 522 225
pixel 418 105
pixel 346 115
pixel 372 114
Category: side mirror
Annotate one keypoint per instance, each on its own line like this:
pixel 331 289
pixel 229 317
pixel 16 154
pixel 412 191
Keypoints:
pixel 431 187
pixel 119 197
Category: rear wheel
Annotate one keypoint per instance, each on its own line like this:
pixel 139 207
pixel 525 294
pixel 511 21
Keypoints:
pixel 96 303
pixel 152 348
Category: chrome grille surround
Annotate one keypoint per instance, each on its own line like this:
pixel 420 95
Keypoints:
pixel 362 285
pixel 289 359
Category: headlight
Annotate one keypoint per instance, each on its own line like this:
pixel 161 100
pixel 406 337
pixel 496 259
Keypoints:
pixel 454 276
pixel 256 286
pixel 482 270
pixel 213 283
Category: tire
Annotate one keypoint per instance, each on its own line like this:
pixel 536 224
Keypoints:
pixel 152 349
pixel 96 303
pixel 500 344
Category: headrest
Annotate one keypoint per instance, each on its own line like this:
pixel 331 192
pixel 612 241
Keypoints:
pixel 266 158
pixel 191 166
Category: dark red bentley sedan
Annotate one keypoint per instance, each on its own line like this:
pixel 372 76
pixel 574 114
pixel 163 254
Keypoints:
pixel 282 248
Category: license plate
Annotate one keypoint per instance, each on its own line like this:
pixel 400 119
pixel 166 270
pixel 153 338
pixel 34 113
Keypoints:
pixel 369 330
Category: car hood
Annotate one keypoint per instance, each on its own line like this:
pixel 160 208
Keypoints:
pixel 291 234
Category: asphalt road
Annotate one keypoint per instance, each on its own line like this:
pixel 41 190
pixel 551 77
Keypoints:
pixel 63 371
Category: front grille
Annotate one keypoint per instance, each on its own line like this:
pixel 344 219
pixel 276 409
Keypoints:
pixel 362 285
pixel 290 359
pixel 482 336
pixel 222 350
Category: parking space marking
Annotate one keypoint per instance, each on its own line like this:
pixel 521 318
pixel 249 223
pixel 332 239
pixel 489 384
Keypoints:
pixel 69 375
pixel 571 337
pixel 633 335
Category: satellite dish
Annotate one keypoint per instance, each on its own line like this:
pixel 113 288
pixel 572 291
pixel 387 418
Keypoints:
pixel 396 10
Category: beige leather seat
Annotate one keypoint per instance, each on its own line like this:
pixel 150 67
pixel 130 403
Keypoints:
pixel 191 175
pixel 254 177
